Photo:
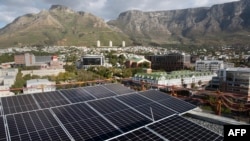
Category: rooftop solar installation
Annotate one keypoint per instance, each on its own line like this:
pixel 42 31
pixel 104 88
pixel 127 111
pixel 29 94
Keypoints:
pixel 35 125
pixel 83 123
pixel 171 102
pixel 148 107
pixel 77 95
pixel 176 128
pixel 141 134
pixel 99 91
pixel 20 103
pixel 50 99
pixel 2 130
pixel 78 114
pixel 118 89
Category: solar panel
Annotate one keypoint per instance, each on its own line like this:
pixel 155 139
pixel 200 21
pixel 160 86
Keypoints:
pixel 76 95
pixel 168 101
pixel 151 109
pixel 155 95
pixel 107 105
pixel 179 129
pixel 121 115
pixel 141 134
pixel 2 130
pixel 118 88
pixel 35 125
pixel 83 123
pixel 99 91
pixel 20 103
pixel 50 99
pixel 177 105
pixel 127 119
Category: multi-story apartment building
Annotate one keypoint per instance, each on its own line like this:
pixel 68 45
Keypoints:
pixel 169 62
pixel 211 65
pixel 25 59
pixel 234 80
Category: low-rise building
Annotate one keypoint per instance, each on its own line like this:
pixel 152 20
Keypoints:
pixel 135 62
pixel 38 86
pixel 234 80
pixel 87 61
pixel 4 91
pixel 43 72
pixel 212 65
pixel 175 78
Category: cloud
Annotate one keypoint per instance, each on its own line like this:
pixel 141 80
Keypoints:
pixel 106 9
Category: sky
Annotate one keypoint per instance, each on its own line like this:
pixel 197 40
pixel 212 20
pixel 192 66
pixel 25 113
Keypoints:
pixel 106 9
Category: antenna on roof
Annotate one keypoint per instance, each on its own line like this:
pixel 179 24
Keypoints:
pixel 152 114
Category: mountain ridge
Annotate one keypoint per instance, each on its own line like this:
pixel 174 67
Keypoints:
pixel 220 24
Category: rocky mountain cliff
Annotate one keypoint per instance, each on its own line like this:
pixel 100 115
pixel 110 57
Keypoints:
pixel 59 25
pixel 227 23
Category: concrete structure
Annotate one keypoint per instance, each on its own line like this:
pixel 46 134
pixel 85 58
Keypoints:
pixel 25 59
pixel 45 62
pixel 98 43
pixel 43 72
pixel 135 62
pixel 87 61
pixel 175 78
pixel 110 44
pixel 123 44
pixel 9 80
pixel 169 62
pixel 38 86
pixel 234 80
pixel 211 65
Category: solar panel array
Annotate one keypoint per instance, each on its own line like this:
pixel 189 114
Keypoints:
pixel 90 113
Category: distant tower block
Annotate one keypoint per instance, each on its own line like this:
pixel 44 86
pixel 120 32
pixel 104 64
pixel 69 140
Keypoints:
pixel 110 44
pixel 98 43
pixel 123 44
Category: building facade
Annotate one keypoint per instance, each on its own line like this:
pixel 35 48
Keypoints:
pixel 234 80
pixel 211 65
pixel 136 62
pixel 39 86
pixel 169 62
pixel 87 61
pixel 175 78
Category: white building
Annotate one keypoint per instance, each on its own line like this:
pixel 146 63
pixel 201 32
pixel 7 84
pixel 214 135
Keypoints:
pixel 211 65
pixel 175 78
pixel 38 86
pixel 234 80
pixel 4 91
pixel 43 72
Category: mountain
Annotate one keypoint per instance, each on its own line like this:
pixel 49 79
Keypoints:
pixel 59 25
pixel 227 23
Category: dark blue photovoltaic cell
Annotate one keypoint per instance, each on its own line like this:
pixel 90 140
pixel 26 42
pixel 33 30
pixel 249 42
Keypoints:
pixel 76 95
pixel 146 106
pixel 84 124
pixel 99 91
pixel 35 125
pixel 178 105
pixel 155 95
pixel 118 88
pixel 121 115
pixel 176 128
pixel 173 103
pixel 107 105
pixel 19 103
pixel 50 99
pixel 142 134
pixel 127 119
pixel 2 130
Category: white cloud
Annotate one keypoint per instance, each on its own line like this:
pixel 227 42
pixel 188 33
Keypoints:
pixel 106 9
